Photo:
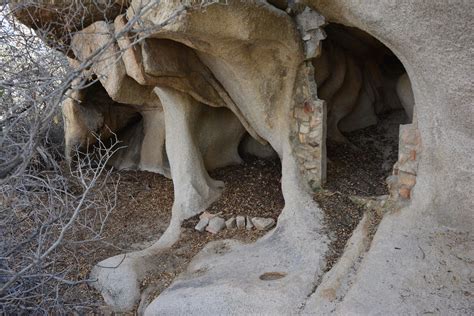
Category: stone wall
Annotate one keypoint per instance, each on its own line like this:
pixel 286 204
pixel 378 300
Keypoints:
pixel 308 134
pixel 308 124
pixel 405 169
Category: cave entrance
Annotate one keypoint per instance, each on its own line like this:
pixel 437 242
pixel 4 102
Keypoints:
pixel 369 104
pixel 358 78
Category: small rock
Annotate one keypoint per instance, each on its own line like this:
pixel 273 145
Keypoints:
pixel 310 20
pixel 230 223
pixel 406 179
pixel 249 225
pixel 404 192
pixel 302 138
pixel 202 224
pixel 382 200
pixel 240 220
pixel 216 224
pixel 262 223
pixel 304 128
pixel 207 215
pixel 314 134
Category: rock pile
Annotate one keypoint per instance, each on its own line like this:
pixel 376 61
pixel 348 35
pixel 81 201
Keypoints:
pixel 213 223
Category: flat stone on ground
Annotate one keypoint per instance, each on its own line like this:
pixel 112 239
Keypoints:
pixel 230 223
pixel 240 220
pixel 216 224
pixel 202 224
pixel 263 223
pixel 249 225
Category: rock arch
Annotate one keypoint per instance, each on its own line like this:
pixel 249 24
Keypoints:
pixel 254 59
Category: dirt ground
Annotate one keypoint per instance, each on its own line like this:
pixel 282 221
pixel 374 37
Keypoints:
pixel 144 210
pixel 253 188
pixel 357 169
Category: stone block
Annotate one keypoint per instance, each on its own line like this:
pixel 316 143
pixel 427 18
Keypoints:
pixel 309 20
pixel 316 133
pixel 410 166
pixel 249 225
pixel 216 224
pixel 300 114
pixel 262 223
pixel 240 221
pixel 409 135
pixel 230 223
pixel 404 192
pixel 311 165
pixel 203 222
pixel 315 121
pixel 302 138
pixel 406 179
pixel 304 128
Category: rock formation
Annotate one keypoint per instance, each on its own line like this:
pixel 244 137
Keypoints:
pixel 182 84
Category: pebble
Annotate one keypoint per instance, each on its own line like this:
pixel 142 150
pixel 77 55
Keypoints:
pixel 249 225
pixel 230 223
pixel 262 223
pixel 202 224
pixel 240 222
pixel 216 224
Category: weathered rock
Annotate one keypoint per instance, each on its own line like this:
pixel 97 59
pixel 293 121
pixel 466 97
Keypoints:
pixel 342 103
pixel 250 146
pixel 216 224
pixel 310 24
pixel 230 223
pixel 240 221
pixel 202 224
pixel 405 93
pixel 109 69
pixel 89 111
pixel 92 112
pixel 248 223
pixel 250 57
pixel 262 223
pixel 60 18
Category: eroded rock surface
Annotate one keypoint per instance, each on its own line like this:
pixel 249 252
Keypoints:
pixel 184 85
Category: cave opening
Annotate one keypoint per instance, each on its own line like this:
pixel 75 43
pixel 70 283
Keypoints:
pixel 358 77
pixel 368 97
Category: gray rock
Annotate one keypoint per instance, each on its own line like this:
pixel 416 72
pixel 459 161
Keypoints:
pixel 230 223
pixel 262 223
pixel 249 225
pixel 202 224
pixel 216 224
pixel 440 65
pixel 310 20
pixel 240 220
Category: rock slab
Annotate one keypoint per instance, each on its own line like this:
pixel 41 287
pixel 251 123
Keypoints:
pixel 240 220
pixel 249 225
pixel 216 224
pixel 230 223
pixel 203 222
pixel 262 223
